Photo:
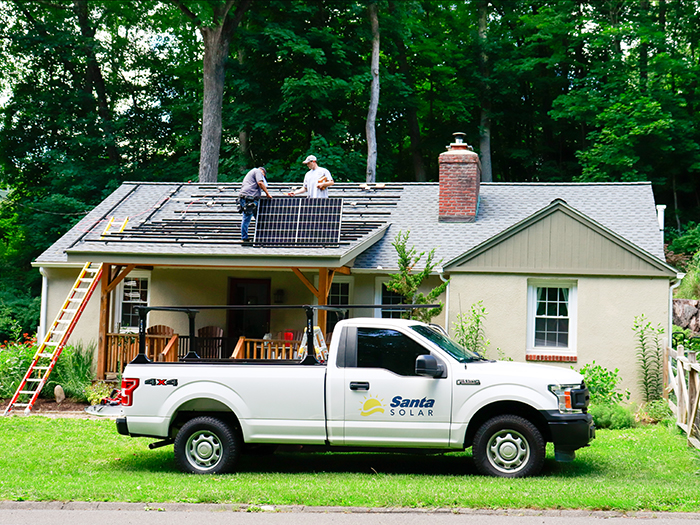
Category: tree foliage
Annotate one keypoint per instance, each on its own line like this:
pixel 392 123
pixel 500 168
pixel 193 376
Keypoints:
pixel 409 279
pixel 97 92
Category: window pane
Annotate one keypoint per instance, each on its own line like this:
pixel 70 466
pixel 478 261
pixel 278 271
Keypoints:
pixel 135 294
pixel 388 349
pixel 338 295
pixel 389 297
pixel 551 317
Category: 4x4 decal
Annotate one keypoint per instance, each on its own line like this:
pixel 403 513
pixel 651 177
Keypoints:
pixel 161 382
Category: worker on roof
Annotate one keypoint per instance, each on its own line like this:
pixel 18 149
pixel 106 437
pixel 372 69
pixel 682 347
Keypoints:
pixel 254 183
pixel 316 182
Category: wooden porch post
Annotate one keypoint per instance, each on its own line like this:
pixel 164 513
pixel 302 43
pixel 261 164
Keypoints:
pixel 104 322
pixel 108 284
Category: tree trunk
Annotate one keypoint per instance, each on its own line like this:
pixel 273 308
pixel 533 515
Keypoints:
pixel 485 121
pixel 216 46
pixel 370 127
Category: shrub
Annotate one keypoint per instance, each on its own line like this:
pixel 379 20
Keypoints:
pixel 654 412
pixel 73 371
pixel 15 358
pixel 612 416
pixel 649 357
pixel 469 329
pixel 602 384
pixel 96 392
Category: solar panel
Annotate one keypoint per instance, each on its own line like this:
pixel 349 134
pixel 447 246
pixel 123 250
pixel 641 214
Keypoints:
pixel 293 220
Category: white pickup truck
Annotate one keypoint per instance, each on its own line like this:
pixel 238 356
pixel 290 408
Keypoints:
pixel 387 384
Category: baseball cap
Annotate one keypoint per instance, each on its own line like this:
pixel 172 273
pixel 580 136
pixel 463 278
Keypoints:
pixel 310 158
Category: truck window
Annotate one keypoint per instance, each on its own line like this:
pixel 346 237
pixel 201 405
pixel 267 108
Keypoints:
pixel 389 349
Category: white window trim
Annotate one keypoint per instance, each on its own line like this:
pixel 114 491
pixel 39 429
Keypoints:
pixel 118 300
pixel 378 281
pixel 337 279
pixel 532 285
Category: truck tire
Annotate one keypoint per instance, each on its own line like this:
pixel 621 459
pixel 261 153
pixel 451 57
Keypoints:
pixel 206 445
pixel 508 446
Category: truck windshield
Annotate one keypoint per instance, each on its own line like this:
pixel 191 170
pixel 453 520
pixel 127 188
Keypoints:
pixel 457 351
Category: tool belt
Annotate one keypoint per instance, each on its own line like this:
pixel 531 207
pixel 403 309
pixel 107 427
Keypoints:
pixel 247 204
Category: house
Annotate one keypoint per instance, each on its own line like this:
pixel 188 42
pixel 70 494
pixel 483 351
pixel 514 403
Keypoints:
pixel 561 268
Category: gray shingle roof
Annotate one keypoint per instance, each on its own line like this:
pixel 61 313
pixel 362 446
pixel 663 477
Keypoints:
pixel 194 220
pixel 627 209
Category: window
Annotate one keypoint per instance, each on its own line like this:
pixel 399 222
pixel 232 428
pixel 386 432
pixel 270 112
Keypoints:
pixel 551 317
pixel 132 292
pixel 386 296
pixel 389 349
pixel 339 294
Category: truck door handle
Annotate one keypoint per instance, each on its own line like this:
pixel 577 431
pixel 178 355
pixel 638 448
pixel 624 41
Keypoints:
pixel 359 385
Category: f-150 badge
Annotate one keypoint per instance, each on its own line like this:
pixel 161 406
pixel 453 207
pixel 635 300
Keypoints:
pixel 473 382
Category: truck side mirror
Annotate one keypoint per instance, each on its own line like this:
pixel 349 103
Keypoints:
pixel 427 365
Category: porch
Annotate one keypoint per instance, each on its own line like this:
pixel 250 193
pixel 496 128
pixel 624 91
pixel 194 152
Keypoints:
pixel 123 348
pixel 116 349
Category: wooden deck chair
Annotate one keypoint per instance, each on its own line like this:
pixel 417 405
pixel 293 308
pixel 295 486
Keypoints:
pixel 210 339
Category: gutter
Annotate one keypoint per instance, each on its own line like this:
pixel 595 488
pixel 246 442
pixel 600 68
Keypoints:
pixel 679 279
pixel 440 271
pixel 41 330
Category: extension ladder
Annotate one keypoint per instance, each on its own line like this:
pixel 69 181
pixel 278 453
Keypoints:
pixel 48 352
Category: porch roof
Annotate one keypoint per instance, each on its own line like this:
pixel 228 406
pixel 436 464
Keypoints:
pixel 198 224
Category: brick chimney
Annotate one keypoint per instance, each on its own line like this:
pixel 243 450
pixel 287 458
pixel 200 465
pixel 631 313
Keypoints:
pixel 460 176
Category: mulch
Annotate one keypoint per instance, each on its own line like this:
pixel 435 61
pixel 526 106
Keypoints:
pixel 45 407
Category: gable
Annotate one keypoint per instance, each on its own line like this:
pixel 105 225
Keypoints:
pixel 559 240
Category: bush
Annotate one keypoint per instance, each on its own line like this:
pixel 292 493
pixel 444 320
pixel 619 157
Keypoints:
pixel 649 357
pixel 602 384
pixel 612 416
pixel 96 392
pixel 73 370
pixel 15 358
pixel 469 329
pixel 654 412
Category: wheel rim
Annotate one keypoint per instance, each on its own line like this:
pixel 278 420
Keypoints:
pixel 203 450
pixel 508 451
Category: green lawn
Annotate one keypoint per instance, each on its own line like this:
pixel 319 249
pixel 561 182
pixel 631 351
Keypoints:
pixel 648 468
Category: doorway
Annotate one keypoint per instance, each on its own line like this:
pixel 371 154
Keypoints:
pixel 249 323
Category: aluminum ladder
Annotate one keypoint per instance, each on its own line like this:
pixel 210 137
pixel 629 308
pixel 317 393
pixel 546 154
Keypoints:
pixel 49 351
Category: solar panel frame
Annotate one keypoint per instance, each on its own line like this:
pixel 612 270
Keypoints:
pixel 299 221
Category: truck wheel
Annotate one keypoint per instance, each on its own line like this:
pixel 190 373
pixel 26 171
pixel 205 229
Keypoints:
pixel 509 447
pixel 206 445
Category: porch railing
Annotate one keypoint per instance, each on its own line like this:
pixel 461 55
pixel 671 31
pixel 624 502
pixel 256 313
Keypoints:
pixel 122 348
pixel 247 348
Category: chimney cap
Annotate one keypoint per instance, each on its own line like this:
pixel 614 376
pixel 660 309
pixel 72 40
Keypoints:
pixel 459 137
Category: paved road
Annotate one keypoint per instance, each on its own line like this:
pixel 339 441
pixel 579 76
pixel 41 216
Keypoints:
pixel 76 513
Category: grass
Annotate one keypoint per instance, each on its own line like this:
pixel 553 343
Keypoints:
pixel 647 468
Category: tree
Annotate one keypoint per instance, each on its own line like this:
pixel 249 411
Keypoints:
pixel 374 96
pixel 216 22
pixel 407 282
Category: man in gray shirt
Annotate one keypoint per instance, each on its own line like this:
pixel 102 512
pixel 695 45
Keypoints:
pixel 254 183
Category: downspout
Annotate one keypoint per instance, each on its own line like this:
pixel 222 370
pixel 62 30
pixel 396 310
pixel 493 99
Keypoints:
pixel 440 271
pixel 41 330
pixel 679 278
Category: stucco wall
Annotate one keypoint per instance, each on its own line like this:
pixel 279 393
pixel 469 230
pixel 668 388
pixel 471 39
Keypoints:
pixel 606 308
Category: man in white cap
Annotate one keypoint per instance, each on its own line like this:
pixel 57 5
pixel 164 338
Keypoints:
pixel 316 182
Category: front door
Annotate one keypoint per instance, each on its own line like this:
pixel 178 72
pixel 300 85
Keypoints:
pixel 386 402
pixel 249 323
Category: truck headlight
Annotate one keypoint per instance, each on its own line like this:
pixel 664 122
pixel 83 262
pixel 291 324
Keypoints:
pixel 572 398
